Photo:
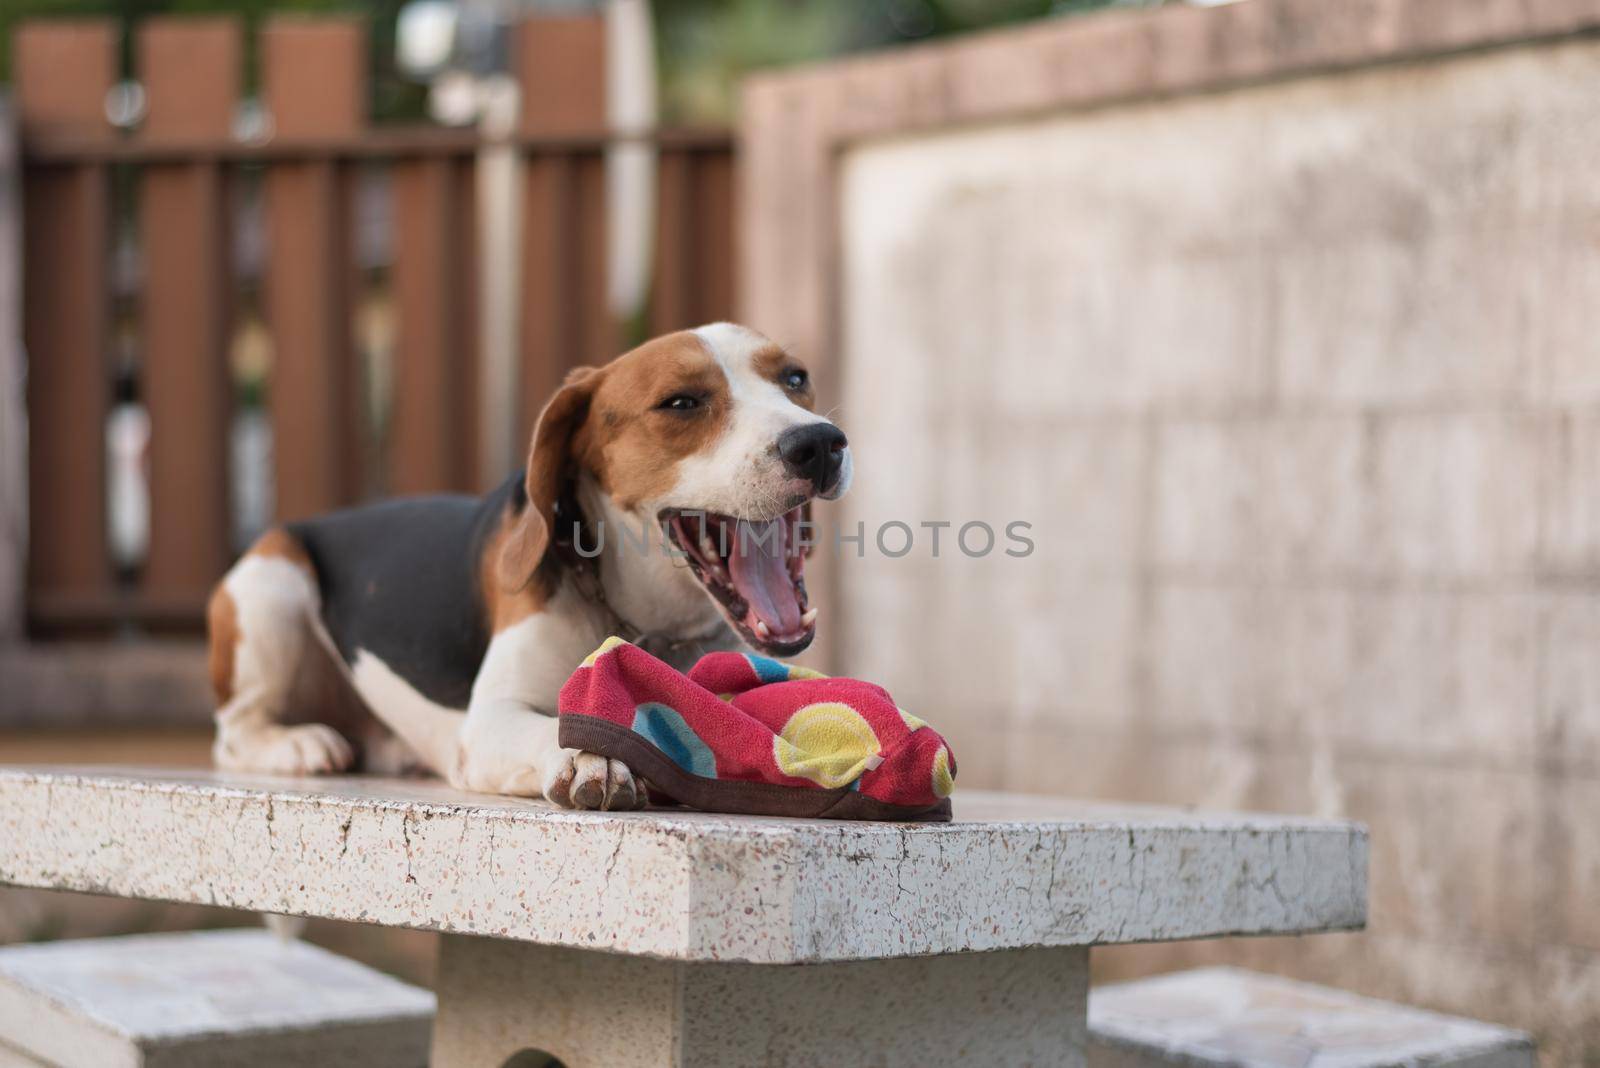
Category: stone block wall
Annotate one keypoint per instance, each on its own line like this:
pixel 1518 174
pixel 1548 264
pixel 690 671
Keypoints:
pixel 1299 386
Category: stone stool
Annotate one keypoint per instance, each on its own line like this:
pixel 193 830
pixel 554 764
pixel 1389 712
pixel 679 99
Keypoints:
pixel 235 997
pixel 1245 1019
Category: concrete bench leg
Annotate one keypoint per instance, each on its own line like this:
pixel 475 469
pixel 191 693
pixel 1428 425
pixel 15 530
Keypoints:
pixel 597 1010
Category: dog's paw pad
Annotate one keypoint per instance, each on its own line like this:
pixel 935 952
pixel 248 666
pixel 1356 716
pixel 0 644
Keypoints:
pixel 587 781
pixel 558 775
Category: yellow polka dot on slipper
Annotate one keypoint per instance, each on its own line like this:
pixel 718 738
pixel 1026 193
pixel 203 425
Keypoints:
pixel 828 743
pixel 944 780
pixel 605 647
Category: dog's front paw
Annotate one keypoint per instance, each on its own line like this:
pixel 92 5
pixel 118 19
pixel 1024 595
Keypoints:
pixel 575 779
pixel 306 749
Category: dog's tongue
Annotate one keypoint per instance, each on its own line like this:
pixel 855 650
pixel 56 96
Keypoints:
pixel 760 574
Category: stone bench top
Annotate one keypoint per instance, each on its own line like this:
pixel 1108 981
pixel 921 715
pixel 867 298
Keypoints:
pixel 1010 872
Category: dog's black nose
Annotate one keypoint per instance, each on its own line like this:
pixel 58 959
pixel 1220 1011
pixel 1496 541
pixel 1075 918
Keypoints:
pixel 815 452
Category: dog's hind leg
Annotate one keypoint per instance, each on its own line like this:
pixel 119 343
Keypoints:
pixel 261 620
pixel 424 728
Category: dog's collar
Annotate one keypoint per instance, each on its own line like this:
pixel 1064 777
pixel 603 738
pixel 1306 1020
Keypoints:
pixel 585 572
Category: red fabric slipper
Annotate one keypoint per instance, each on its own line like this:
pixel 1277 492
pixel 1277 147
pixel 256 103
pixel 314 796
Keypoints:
pixel 745 733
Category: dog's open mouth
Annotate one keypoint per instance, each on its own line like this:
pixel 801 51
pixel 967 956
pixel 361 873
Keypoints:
pixel 754 570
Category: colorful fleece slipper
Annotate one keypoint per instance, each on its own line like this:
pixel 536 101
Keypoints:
pixel 744 733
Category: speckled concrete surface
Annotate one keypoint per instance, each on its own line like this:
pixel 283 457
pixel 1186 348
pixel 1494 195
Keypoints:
pixel 239 998
pixel 1228 1016
pixel 1011 872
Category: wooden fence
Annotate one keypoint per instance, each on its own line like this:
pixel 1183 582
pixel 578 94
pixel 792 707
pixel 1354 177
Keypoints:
pixel 184 164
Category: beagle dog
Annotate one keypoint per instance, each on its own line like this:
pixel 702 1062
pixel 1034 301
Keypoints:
pixel 665 499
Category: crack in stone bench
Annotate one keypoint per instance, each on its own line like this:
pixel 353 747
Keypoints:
pixel 680 938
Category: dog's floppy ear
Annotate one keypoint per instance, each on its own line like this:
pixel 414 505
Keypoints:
pixel 549 466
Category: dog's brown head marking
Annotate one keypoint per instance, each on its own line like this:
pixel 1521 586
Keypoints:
pixel 708 420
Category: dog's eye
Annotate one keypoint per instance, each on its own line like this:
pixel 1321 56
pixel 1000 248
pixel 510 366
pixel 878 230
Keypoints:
pixel 795 378
pixel 679 402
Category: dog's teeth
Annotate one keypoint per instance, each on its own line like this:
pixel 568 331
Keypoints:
pixel 808 617
pixel 708 545
pixel 761 630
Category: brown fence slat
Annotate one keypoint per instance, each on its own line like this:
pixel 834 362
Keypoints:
pixel 714 218
pixel 547 283
pixel 560 67
pixel 308 312
pixel 190 69
pixel 671 296
pixel 314 71
pixel 62 71
pixel 432 437
pixel 560 63
pixel 565 318
pixel 596 340
pixel 313 76
pixel 464 215
pixel 695 253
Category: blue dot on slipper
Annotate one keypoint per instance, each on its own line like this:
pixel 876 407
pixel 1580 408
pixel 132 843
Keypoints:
pixel 768 669
pixel 664 728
